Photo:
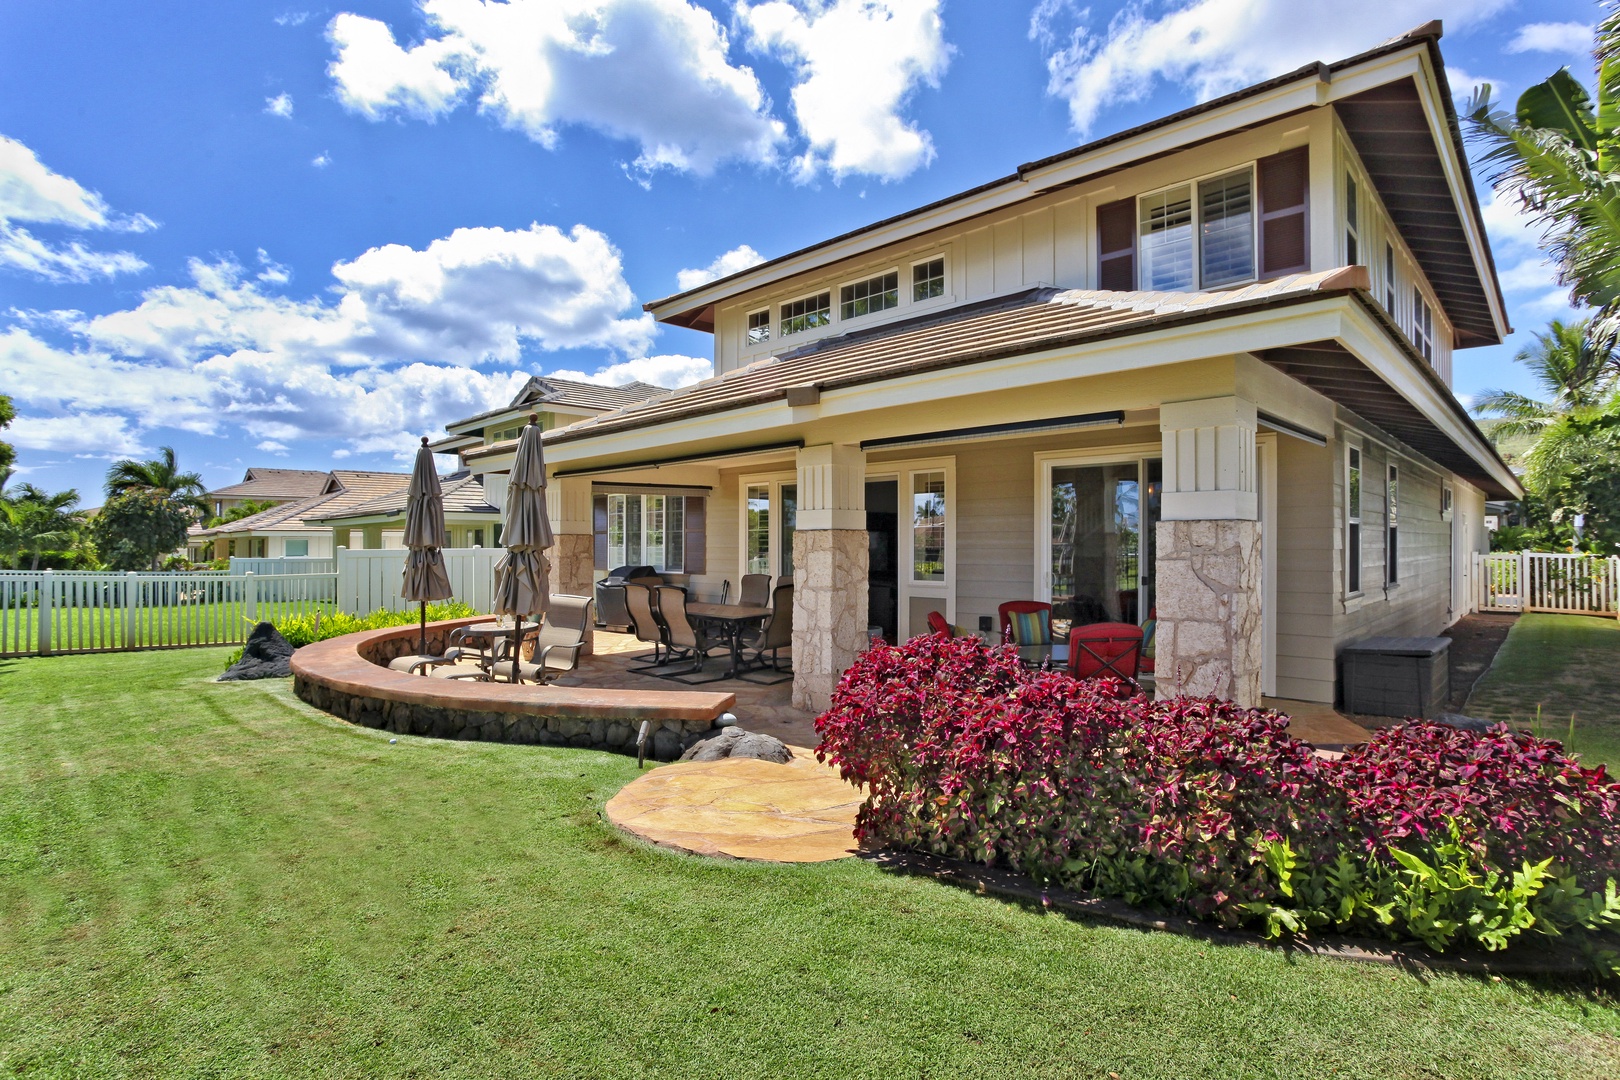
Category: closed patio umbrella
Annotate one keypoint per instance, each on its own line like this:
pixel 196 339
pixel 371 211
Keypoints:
pixel 425 576
pixel 522 585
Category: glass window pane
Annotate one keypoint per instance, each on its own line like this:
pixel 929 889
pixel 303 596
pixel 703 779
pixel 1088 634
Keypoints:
pixel 1227 229
pixel 865 297
pixel 1167 240
pixel 928 526
pixel 652 530
pixel 928 279
pixel 615 531
pixel 757 556
pixel 632 531
pixel 759 326
pixel 675 533
pixel 806 314
pixel 1096 543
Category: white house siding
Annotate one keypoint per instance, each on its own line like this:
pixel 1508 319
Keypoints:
pixel 1046 240
pixel 1305 576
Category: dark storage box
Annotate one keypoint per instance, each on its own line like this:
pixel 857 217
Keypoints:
pixel 1390 676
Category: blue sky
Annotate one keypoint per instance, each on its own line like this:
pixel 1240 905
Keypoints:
pixel 276 234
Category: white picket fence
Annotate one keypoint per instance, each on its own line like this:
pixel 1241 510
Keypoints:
pixel 290 564
pixel 370 579
pixel 1546 581
pixel 56 611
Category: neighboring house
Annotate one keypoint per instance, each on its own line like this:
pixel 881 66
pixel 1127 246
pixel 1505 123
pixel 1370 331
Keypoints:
pixel 469 520
pixel 287 530
pixel 276 486
pixel 1199 369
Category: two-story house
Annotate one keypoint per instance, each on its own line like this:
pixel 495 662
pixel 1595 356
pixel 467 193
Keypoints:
pixel 1199 369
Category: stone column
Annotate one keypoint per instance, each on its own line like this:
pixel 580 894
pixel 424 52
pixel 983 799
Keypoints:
pixel 573 556
pixel 1209 639
pixel 830 563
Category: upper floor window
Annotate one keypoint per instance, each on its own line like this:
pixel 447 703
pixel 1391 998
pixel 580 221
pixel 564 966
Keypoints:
pixel 759 326
pixel 1392 526
pixel 1389 277
pixel 870 296
pixel 928 279
pixel 806 314
pixel 1352 222
pixel 1422 325
pixel 1189 243
pixel 1352 520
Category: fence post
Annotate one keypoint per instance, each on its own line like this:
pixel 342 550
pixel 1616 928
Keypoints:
pixel 250 593
pixel 47 602
pixel 131 590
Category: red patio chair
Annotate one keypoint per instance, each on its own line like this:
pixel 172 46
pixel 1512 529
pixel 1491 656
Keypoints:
pixel 937 623
pixel 1108 648
pixel 1026 608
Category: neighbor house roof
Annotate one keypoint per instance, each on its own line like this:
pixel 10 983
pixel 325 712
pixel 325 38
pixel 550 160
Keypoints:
pixel 463 494
pixel 261 484
pixel 351 487
pixel 1042 319
pixel 1387 124
pixel 542 390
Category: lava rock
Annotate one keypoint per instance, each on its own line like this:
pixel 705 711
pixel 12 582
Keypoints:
pixel 265 656
pixel 1465 723
pixel 738 743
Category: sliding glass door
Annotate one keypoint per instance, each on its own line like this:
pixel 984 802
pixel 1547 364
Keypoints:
pixel 1097 538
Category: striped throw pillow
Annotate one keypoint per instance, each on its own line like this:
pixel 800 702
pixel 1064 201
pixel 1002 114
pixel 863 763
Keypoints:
pixel 1031 627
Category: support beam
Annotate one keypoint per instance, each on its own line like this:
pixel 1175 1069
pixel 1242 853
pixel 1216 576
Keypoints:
pixel 830 565
pixel 573 555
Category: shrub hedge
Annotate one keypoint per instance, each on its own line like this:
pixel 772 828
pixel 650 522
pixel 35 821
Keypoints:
pixel 1195 805
pixel 300 630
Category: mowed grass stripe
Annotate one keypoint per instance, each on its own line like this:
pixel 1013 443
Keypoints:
pixel 204 879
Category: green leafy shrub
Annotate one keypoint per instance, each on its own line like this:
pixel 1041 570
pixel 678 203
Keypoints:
pixel 301 630
pixel 1426 833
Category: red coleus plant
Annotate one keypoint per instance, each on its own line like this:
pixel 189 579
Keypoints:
pixel 965 753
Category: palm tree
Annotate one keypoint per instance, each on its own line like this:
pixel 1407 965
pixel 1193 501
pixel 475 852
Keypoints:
pixel 1574 364
pixel 34 521
pixel 160 476
pixel 237 513
pixel 1559 158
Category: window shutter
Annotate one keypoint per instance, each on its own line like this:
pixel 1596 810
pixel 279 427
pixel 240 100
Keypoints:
pixel 599 528
pixel 1284 245
pixel 697 548
pixel 1116 245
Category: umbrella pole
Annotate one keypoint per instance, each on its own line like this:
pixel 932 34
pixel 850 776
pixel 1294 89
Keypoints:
pixel 517 652
pixel 423 643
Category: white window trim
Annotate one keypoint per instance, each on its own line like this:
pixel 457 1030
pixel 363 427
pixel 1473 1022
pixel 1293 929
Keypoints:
pixel 903 472
pixel 1354 443
pixel 774 482
pixel 838 293
pixel 1392 523
pixel 1358 228
pixel 1252 167
pixel 907 296
pixel 624 555
pixel 770 329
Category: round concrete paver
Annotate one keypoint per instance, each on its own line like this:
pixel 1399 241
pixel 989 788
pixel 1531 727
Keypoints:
pixel 746 809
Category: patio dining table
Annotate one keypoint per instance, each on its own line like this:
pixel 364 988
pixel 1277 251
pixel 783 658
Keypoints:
pixel 732 620
pixel 484 635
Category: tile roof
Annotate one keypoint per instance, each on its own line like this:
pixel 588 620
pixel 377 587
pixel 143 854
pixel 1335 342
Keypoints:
pixel 463 494
pixel 544 390
pixel 275 484
pixel 1023 322
pixel 354 487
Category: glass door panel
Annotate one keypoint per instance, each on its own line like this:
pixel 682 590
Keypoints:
pixel 1101 565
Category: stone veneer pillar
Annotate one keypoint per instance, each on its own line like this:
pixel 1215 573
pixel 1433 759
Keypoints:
pixel 573 556
pixel 1209 639
pixel 830 565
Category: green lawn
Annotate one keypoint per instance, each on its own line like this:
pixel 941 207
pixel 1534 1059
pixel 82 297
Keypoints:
pixel 102 627
pixel 1563 665
pixel 203 879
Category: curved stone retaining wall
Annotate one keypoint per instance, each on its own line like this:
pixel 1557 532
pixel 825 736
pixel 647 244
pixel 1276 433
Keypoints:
pixel 349 678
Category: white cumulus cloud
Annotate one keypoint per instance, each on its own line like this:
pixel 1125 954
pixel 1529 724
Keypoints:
pixel 1211 47
pixel 84 434
pixel 1560 37
pixel 672 370
pixel 403 341
pixel 737 259
pixel 857 63
pixel 654 72
pixel 280 105
pixel 31 192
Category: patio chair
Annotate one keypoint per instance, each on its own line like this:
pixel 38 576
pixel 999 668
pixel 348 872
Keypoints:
pixel 1025 622
pixel 640 603
pixel 684 640
pixel 556 647
pixel 937 624
pixel 755 591
pixel 1109 648
pixel 773 637
pixel 421 664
